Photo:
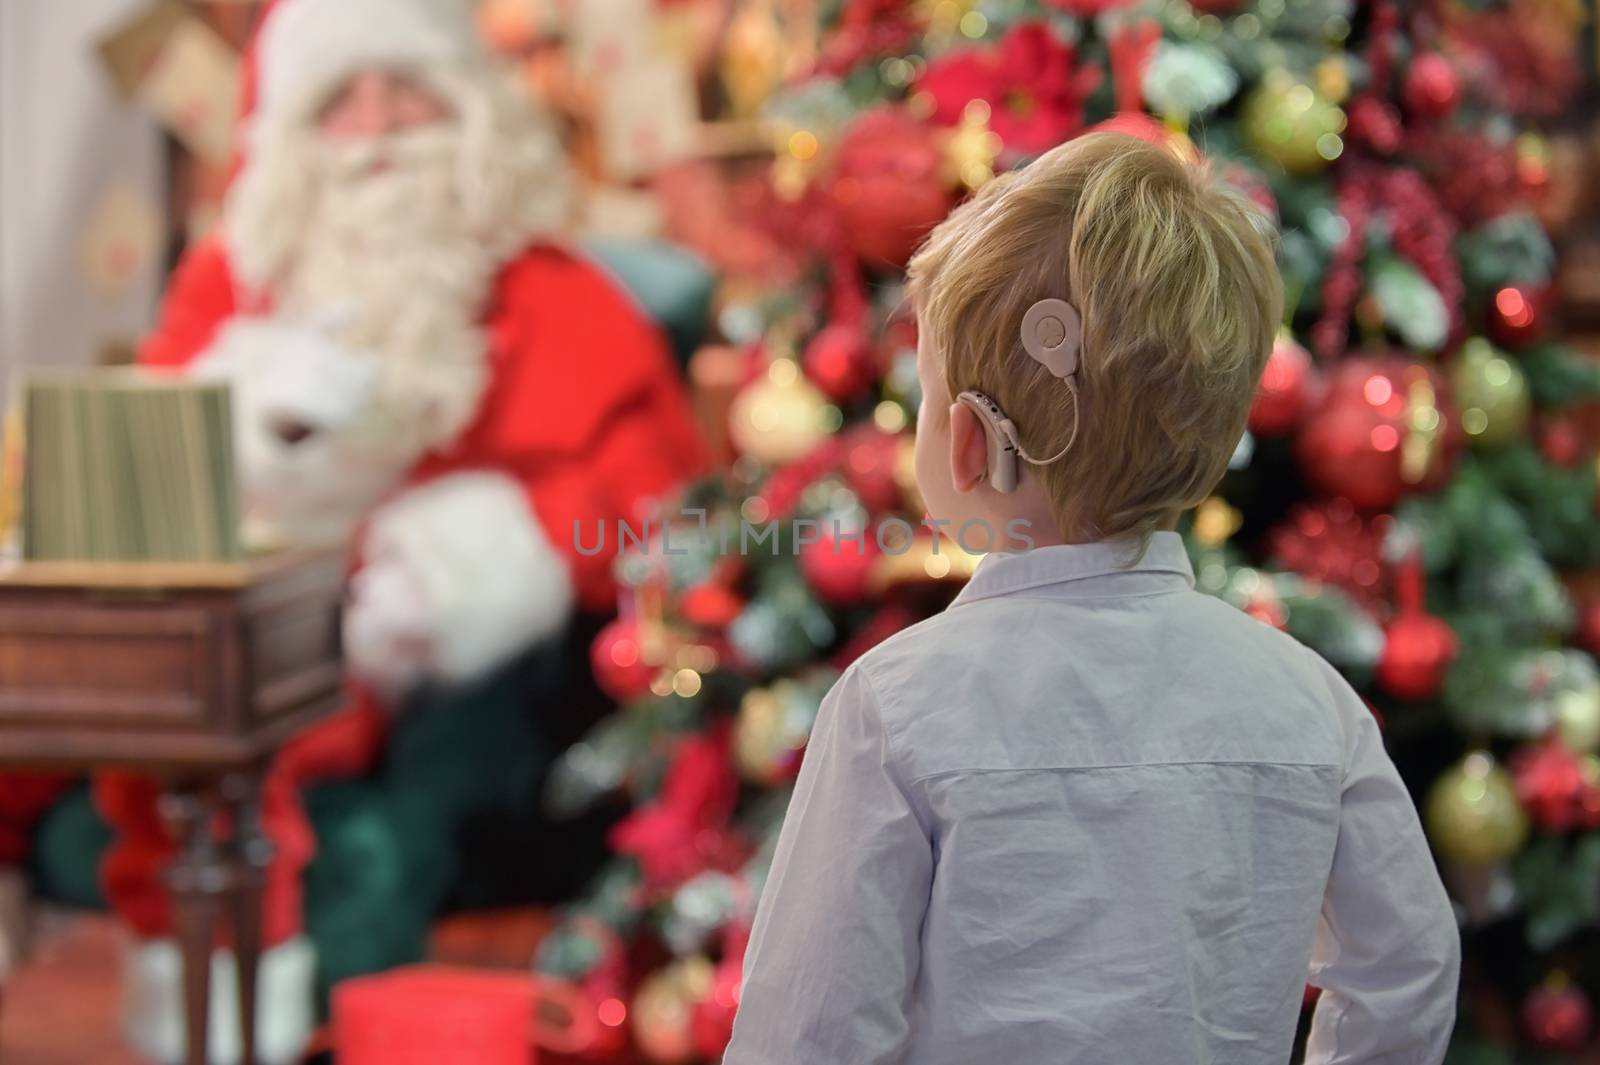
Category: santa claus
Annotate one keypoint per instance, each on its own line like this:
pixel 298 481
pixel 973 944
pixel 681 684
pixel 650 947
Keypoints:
pixel 419 370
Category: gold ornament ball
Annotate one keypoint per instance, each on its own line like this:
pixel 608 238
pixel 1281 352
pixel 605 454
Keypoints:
pixel 1577 714
pixel 1291 123
pixel 762 743
pixel 752 59
pixel 780 416
pixel 923 559
pixel 905 474
pixel 1491 391
pixel 1472 813
pixel 663 1010
pixel 1333 78
pixel 1215 522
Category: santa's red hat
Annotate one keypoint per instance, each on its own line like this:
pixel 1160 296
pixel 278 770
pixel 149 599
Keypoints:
pixel 305 48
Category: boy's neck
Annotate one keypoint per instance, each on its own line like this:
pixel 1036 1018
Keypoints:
pixel 1045 531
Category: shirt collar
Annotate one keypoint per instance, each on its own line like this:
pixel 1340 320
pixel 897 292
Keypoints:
pixel 1107 568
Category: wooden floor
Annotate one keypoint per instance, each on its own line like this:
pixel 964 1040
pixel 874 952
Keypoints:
pixel 60 1008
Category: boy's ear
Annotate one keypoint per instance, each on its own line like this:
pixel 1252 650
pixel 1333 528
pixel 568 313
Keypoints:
pixel 969 449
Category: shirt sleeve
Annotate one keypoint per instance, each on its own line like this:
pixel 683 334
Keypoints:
pixel 1387 953
pixel 836 946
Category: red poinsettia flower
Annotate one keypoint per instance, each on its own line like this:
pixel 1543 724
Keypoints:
pixel 684 828
pixel 1030 80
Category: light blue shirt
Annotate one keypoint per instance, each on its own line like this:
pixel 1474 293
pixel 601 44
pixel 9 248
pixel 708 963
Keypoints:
pixel 1090 815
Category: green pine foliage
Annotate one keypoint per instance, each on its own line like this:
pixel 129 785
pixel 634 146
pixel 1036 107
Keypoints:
pixel 1394 144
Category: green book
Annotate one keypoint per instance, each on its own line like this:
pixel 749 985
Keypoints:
pixel 36 505
pixel 229 515
pixel 125 465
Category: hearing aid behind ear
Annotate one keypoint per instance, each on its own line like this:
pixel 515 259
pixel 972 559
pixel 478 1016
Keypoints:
pixel 1052 335
pixel 1001 438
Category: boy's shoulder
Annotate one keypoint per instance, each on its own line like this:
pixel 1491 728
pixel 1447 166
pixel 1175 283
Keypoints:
pixel 969 627
pixel 914 642
pixel 976 640
pixel 952 639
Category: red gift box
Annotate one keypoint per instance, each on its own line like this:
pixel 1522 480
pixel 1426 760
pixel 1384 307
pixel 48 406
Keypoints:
pixel 442 1015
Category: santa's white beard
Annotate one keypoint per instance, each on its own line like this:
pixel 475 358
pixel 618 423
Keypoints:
pixel 376 276
pixel 389 267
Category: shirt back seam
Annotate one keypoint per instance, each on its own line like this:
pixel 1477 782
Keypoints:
pixel 1022 593
pixel 1121 765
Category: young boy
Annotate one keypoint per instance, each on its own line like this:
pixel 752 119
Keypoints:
pixel 1087 814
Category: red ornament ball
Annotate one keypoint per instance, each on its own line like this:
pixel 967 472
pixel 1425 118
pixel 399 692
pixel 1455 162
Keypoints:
pixel 839 568
pixel 1561 442
pixel 1287 387
pixel 711 605
pixel 1432 88
pixel 1557 1016
pixel 1358 442
pixel 872 467
pixel 1417 651
pixel 839 362
pixel 712 1021
pixel 887 186
pixel 1517 316
pixel 611 1029
pixel 618 660
pixel 1554 787
pixel 1330 543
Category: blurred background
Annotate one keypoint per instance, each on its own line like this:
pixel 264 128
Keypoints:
pixel 1415 498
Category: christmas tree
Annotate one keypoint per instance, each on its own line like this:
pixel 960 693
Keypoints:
pixel 1415 499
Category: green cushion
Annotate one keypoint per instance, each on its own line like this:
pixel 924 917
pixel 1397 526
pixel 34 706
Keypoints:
pixel 66 852
pixel 452 817
pixel 672 285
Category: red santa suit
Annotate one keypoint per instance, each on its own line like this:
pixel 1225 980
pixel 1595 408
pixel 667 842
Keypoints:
pixel 573 412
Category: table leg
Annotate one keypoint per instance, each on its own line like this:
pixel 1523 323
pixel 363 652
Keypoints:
pixel 252 853
pixel 196 880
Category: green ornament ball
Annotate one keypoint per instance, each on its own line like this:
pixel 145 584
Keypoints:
pixel 1491 392
pixel 1472 814
pixel 1286 120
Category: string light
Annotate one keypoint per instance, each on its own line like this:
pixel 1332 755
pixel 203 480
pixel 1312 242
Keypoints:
pixel 686 683
pixel 889 416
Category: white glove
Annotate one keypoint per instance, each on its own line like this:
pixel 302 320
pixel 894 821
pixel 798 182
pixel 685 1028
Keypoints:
pixel 389 632
pixel 489 581
pixel 290 381
pixel 310 465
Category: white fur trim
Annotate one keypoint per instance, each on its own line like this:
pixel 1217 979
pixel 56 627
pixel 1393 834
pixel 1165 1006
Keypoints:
pixel 312 45
pixel 299 370
pixel 514 180
pixel 152 1005
pixel 492 579
pixel 314 492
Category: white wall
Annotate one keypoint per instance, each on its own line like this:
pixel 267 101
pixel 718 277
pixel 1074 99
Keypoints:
pixel 65 138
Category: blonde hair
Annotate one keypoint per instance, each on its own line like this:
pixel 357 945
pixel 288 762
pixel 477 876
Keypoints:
pixel 1180 296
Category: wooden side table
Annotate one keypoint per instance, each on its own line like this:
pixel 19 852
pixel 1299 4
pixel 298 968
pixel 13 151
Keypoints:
pixel 196 674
